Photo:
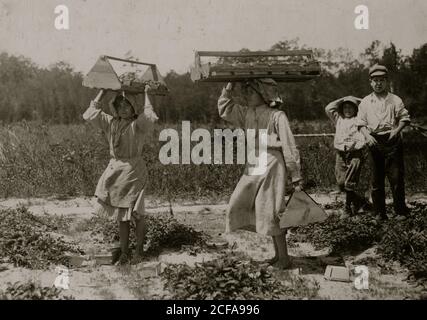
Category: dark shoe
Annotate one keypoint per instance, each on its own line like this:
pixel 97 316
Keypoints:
pixel 283 265
pixel 382 217
pixel 362 206
pixel 346 214
pixel 272 260
pixel 115 255
pixel 356 209
pixel 403 212
pixel 367 206
pixel 137 258
pixel 123 259
pixel 360 210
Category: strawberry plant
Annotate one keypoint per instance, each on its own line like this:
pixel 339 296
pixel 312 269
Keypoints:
pixel 31 291
pixel 163 232
pixel 231 278
pixel 406 242
pixel 27 241
pixel 403 241
pixel 339 235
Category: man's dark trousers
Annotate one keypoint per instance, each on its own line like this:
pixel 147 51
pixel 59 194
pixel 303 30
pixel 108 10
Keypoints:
pixel 387 157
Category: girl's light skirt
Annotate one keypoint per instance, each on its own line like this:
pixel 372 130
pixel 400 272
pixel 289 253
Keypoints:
pixel 258 200
pixel 133 213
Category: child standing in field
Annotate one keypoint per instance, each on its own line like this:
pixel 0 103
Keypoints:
pixel 120 190
pixel 259 199
pixel 349 144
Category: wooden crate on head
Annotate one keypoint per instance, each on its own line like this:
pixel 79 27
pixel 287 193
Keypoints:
pixel 125 77
pixel 282 66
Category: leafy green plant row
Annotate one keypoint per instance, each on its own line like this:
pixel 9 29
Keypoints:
pixel 164 232
pixel 31 291
pixel 403 241
pixel 231 277
pixel 27 240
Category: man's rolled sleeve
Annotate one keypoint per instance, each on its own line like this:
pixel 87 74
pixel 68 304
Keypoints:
pixel 362 117
pixel 402 114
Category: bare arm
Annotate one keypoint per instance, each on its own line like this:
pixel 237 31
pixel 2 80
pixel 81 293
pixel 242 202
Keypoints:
pixel 362 124
pixel 331 110
pixel 148 117
pixel 370 140
pixel 395 132
pixel 289 149
pixel 230 111
pixel 95 115
pixel 404 120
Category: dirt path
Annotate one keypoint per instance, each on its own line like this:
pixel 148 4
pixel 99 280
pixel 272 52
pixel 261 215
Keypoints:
pixel 109 282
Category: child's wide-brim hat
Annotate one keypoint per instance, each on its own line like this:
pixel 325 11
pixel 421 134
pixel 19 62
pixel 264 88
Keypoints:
pixel 130 98
pixel 268 90
pixel 351 100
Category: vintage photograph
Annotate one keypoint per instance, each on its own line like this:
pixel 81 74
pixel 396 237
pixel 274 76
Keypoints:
pixel 213 150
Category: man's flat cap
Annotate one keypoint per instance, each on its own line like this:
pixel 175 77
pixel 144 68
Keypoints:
pixel 378 71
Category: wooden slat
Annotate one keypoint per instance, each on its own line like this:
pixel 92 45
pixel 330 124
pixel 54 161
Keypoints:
pixel 141 89
pixel 102 76
pixel 130 61
pixel 266 68
pixel 254 53
pixel 243 77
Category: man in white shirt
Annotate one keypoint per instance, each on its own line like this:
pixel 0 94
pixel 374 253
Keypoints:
pixel 381 118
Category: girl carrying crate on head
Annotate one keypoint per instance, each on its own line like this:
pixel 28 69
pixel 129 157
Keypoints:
pixel 258 200
pixel 120 190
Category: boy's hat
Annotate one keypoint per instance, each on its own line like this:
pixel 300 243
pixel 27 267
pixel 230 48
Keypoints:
pixel 378 70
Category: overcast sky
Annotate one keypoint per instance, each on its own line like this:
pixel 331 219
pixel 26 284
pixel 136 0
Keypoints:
pixel 167 32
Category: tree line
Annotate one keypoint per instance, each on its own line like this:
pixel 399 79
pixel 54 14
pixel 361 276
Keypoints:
pixel 56 95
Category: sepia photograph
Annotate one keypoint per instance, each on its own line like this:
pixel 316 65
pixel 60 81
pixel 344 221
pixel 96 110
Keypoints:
pixel 234 151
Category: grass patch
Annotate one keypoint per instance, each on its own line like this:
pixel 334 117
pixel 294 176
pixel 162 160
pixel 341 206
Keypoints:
pixel 38 160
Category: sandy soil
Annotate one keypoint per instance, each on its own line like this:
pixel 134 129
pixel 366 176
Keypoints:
pixel 141 281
